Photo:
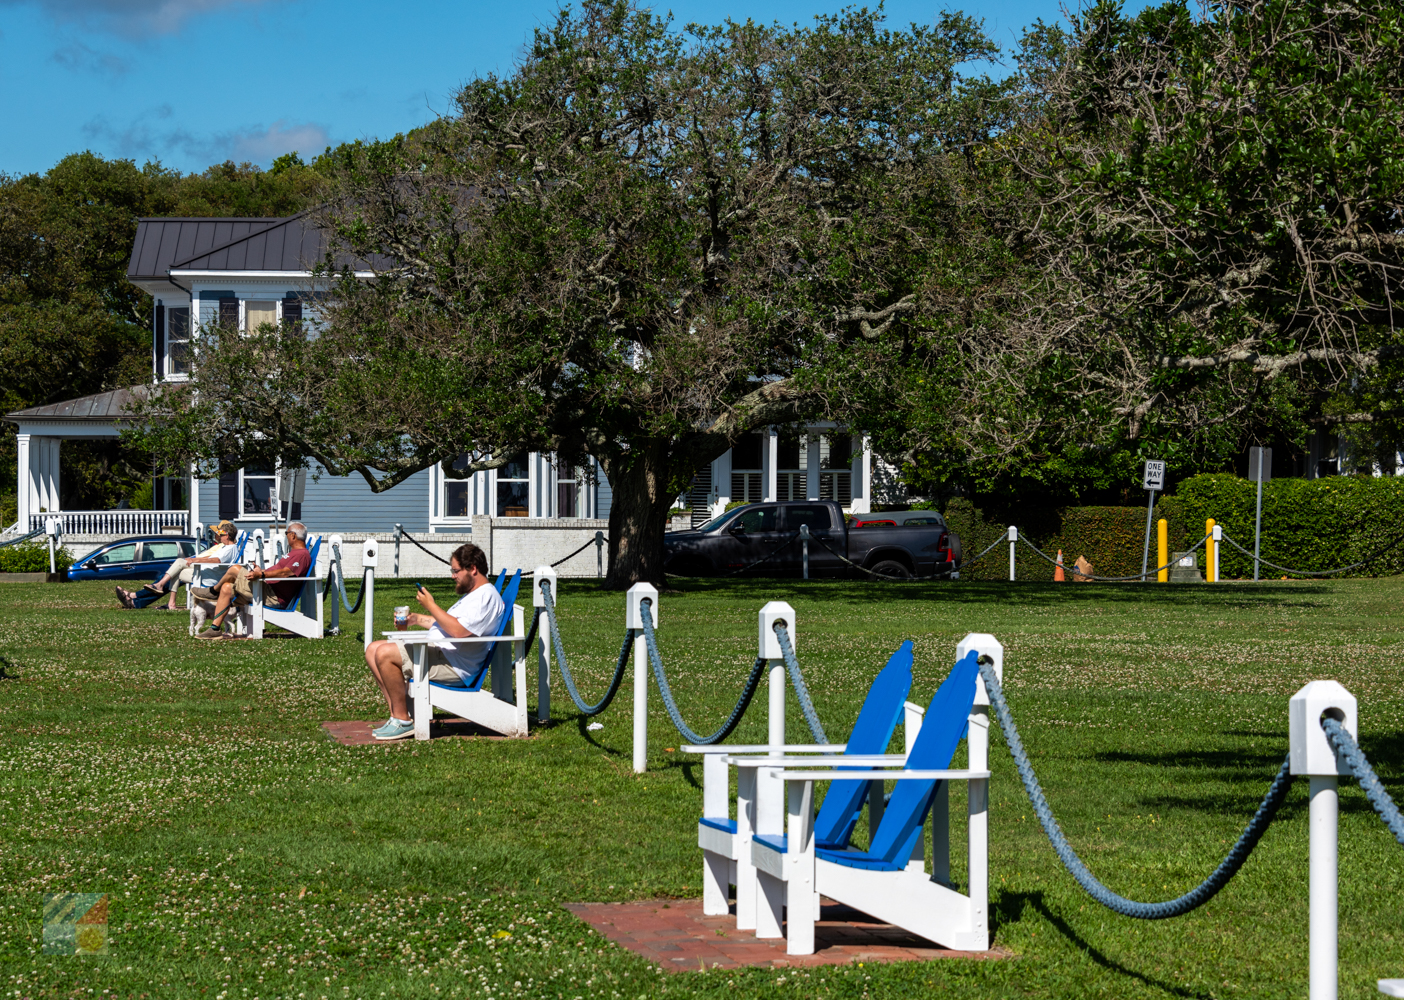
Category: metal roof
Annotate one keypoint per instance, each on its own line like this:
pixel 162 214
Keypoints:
pixel 293 244
pixel 105 407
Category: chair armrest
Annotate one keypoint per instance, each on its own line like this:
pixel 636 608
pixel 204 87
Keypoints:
pixel 763 748
pixel 414 638
pixel 285 579
pixel 948 775
pixel 853 760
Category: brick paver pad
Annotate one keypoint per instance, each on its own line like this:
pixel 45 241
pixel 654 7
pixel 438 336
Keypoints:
pixel 679 937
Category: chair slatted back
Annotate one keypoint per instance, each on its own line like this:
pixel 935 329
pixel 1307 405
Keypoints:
pixel 872 732
pixel 500 577
pixel 312 571
pixel 942 729
pixel 509 596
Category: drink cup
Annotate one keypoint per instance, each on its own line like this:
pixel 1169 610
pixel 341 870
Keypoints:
pixel 402 617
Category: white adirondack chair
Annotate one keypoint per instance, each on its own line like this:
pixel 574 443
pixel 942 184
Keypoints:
pixel 794 870
pixel 503 707
pixel 304 615
pixel 209 574
pixel 726 842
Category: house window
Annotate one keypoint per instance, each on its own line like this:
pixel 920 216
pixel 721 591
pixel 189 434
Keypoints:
pixel 256 488
pixel 836 468
pixel 568 493
pixel 792 464
pixel 458 492
pixel 178 341
pixel 514 488
pixel 747 482
pixel 258 314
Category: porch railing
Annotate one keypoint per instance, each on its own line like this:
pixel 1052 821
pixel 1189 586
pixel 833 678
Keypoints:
pixel 114 522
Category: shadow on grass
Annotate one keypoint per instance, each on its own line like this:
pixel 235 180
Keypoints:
pixel 9 669
pixel 1011 907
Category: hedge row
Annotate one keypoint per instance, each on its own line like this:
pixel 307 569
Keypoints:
pixel 1307 524
pixel 32 557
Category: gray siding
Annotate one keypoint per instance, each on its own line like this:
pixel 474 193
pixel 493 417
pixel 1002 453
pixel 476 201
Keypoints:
pixel 344 504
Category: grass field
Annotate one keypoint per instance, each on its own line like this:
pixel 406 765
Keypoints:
pixel 248 856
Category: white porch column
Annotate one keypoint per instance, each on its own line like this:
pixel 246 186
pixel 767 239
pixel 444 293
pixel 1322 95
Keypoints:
pixel 770 457
pixel 862 476
pixel 39 476
pixel 28 492
pixel 811 472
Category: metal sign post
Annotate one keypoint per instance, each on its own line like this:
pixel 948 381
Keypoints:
pixel 1259 471
pixel 1152 481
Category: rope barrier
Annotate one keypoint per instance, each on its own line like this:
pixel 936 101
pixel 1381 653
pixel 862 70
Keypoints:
pixel 1344 744
pixel 988 549
pixel 646 614
pixel 1112 579
pixel 1317 572
pixel 22 538
pixel 878 576
pixel 575 553
pixel 341 583
pixel 787 650
pixel 564 665
pixel 402 533
pixel 1179 906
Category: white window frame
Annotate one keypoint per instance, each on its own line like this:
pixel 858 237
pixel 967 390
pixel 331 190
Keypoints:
pixel 270 516
pixel 168 371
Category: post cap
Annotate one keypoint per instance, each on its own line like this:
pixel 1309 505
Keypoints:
pixel 545 574
pixel 1218 532
pixel 1311 754
pixel 1013 533
pixel 986 645
pixel 776 611
pixel 335 540
pixel 370 553
pixel 51 526
pixel 632 617
pixel 804 530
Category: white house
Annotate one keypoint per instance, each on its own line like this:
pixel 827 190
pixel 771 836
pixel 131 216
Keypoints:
pixel 244 272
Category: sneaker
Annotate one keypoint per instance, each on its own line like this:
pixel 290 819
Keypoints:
pixel 125 598
pixel 394 730
pixel 211 633
pixel 376 729
pixel 205 593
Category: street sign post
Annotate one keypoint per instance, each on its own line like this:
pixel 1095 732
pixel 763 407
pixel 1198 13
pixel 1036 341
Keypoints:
pixel 1152 481
pixel 1259 471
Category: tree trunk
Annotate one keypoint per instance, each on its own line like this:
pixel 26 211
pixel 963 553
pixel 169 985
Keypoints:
pixel 639 515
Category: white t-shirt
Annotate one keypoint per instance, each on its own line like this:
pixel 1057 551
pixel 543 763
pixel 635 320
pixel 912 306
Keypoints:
pixel 480 612
pixel 224 552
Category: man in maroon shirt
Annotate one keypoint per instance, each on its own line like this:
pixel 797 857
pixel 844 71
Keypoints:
pixel 234 587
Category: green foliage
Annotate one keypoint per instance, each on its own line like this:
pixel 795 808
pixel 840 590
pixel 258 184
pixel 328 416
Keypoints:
pixel 1111 538
pixel 1310 524
pixel 33 557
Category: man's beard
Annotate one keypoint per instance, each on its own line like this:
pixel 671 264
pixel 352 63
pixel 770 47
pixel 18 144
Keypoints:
pixel 461 585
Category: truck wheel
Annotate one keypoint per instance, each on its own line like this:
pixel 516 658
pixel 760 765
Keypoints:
pixel 891 569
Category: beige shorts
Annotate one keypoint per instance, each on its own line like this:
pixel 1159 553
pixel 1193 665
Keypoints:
pixel 439 670
pixel 243 590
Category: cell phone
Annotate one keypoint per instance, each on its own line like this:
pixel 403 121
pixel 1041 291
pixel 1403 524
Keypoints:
pixel 418 585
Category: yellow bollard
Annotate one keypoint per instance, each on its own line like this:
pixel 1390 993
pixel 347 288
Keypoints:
pixel 1162 550
pixel 1209 561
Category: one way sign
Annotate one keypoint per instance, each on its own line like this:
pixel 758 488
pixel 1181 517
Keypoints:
pixel 1154 478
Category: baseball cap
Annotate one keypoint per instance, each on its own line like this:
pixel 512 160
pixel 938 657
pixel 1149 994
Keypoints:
pixel 226 528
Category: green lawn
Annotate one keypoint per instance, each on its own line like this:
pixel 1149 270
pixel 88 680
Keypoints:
pixel 249 856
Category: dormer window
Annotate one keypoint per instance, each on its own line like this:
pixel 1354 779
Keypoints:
pixel 178 341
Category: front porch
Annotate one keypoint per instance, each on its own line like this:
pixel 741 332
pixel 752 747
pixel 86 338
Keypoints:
pixel 41 433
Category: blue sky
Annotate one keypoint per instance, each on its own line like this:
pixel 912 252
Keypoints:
pixel 195 82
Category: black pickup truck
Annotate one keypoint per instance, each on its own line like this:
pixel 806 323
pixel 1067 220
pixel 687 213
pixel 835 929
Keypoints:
pixel 917 546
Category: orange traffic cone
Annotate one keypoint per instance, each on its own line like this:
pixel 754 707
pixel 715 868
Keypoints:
pixel 1058 576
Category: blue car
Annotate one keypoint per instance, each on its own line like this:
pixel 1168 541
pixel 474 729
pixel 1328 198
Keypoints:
pixel 142 557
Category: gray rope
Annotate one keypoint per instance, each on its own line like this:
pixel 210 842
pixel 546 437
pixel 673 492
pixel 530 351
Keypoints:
pixel 1179 906
pixel 988 549
pixel 878 576
pixel 575 553
pixel 22 538
pixel 341 583
pixel 1317 572
pixel 564 665
pixel 402 533
pixel 1111 579
pixel 742 703
pixel 787 650
pixel 1344 744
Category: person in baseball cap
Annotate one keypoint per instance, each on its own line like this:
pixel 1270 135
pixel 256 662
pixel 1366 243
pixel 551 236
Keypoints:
pixel 223 551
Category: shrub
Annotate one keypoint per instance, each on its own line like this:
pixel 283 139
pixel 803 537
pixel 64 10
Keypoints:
pixel 33 557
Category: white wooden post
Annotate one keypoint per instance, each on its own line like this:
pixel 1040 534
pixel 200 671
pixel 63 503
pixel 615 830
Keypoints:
pixel 517 652
pixel 546 575
pixel 370 560
pixel 776 611
pixel 336 581
pixel 977 742
pixel 1218 533
pixel 799 862
pixel 747 887
pixel 1013 540
pixel 51 530
pixel 423 710
pixel 634 619
pixel 1311 755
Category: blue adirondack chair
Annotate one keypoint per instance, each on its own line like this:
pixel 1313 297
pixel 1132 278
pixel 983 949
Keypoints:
pixel 725 842
pixel 306 622
pixel 795 868
pixel 502 709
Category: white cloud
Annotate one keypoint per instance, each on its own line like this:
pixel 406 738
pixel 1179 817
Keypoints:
pixel 130 18
pixel 148 137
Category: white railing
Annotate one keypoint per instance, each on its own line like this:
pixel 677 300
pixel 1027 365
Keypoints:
pixel 114 522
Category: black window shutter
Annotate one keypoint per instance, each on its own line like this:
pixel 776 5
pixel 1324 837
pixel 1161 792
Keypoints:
pixel 228 496
pixel 229 313
pixel 292 314
pixel 159 366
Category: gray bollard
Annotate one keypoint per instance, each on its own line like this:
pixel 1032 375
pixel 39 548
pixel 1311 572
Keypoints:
pixel 634 620
pixel 370 559
pixel 543 574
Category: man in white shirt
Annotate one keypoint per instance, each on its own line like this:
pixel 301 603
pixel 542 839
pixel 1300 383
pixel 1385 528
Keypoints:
pixel 478 612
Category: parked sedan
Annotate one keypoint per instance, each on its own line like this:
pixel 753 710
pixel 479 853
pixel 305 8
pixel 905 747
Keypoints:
pixel 145 557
